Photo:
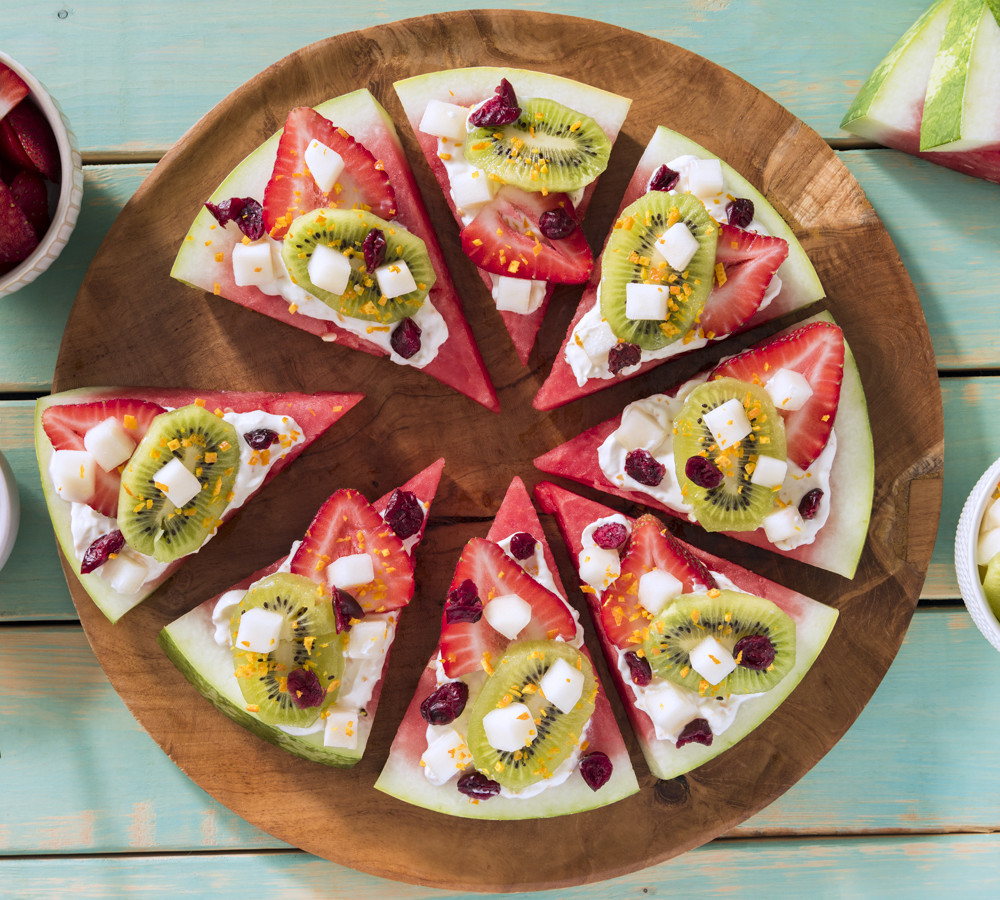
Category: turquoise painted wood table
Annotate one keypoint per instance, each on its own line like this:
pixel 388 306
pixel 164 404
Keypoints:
pixel 906 804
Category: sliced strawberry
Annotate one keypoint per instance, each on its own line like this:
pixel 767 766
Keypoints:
pixel 12 89
pixel 650 546
pixel 66 425
pixel 505 238
pixel 815 351
pixel 292 191
pixel 348 524
pixel 468 646
pixel 17 236
pixel 28 137
pixel 30 193
pixel 749 261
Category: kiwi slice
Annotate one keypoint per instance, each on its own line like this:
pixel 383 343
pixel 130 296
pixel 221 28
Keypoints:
pixel 735 503
pixel 630 257
pixel 991 584
pixel 293 683
pixel 345 230
pixel 549 147
pixel 515 678
pixel 208 447
pixel 731 617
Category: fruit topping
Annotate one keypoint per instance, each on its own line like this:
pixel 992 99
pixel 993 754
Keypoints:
pixel 596 769
pixel 477 786
pixel 556 223
pixel 12 89
pixel 638 668
pixel 405 338
pixel 500 109
pixel 463 603
pixel 17 237
pixel 703 472
pixel 30 193
pixel 345 609
pixel 101 550
pixel 522 545
pixel 740 212
pixel 755 651
pixel 643 467
pixel 260 438
pixel 445 703
pixel 610 535
pixel 809 504
pixel 373 247
pixel 305 689
pixel 664 179
pixel 246 212
pixel 697 731
pixel 404 514
pixel 27 141
pixel 623 355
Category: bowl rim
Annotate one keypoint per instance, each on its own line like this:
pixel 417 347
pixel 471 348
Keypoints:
pixel 966 564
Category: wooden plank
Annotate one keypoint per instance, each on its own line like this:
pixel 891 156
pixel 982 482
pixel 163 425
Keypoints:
pixel 159 73
pixel 913 867
pixel 80 776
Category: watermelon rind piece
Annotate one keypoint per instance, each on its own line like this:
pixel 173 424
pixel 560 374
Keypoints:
pixel 113 604
pixel 814 623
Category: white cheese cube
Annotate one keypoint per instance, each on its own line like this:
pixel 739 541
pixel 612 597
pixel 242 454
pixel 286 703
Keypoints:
pixel 177 483
pixel 395 279
pixel 704 178
pixel 670 707
pixel 788 389
pixel 728 423
pixel 445 120
pixel 656 589
pixel 109 443
pixel 329 269
pixel 599 567
pixel 562 685
pixel 368 639
pixel 988 546
pixel 124 573
pixel 991 518
pixel 253 263
pixel 711 660
pixel 513 294
pixel 351 571
pixel 677 246
pixel 783 524
pixel 471 189
pixel 639 429
pixel 446 756
pixel 73 474
pixel 769 471
pixel 341 729
pixel 646 301
pixel 508 614
pixel 510 727
pixel 259 631
pixel 324 164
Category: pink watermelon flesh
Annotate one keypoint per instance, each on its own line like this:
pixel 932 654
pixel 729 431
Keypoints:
pixel 190 644
pixel 458 364
pixel 814 623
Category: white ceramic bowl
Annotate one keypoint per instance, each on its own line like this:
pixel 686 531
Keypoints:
pixel 67 206
pixel 10 510
pixel 966 566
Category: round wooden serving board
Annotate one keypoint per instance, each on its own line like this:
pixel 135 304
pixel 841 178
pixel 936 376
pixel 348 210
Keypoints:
pixel 131 324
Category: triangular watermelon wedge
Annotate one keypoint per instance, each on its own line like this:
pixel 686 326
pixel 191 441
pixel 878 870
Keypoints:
pixel 470 86
pixel 191 643
pixel 204 259
pixel 582 367
pixel 813 624
pixel 65 417
pixel 405 774
pixel 849 484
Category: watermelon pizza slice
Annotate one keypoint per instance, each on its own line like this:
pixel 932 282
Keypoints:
pixel 772 446
pixel 517 154
pixel 701 650
pixel 322 227
pixel 696 254
pixel 138 479
pixel 509 720
pixel 298 652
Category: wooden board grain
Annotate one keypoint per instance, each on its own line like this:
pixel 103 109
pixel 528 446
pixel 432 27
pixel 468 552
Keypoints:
pixel 131 324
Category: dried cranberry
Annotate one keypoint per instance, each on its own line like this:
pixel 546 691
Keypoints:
pixel 404 514
pixel 477 786
pixel 98 553
pixel 809 504
pixel 664 179
pixel 638 668
pixel 640 465
pixel 610 536
pixel 463 604
pixel 696 731
pixel 305 689
pixel 445 703
pixel 556 223
pixel 373 247
pixel 246 212
pixel 755 651
pixel 740 212
pixel 596 769
pixel 260 438
pixel 522 545
pixel 703 472
pixel 500 109
pixel 345 608
pixel 623 355
pixel 405 338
